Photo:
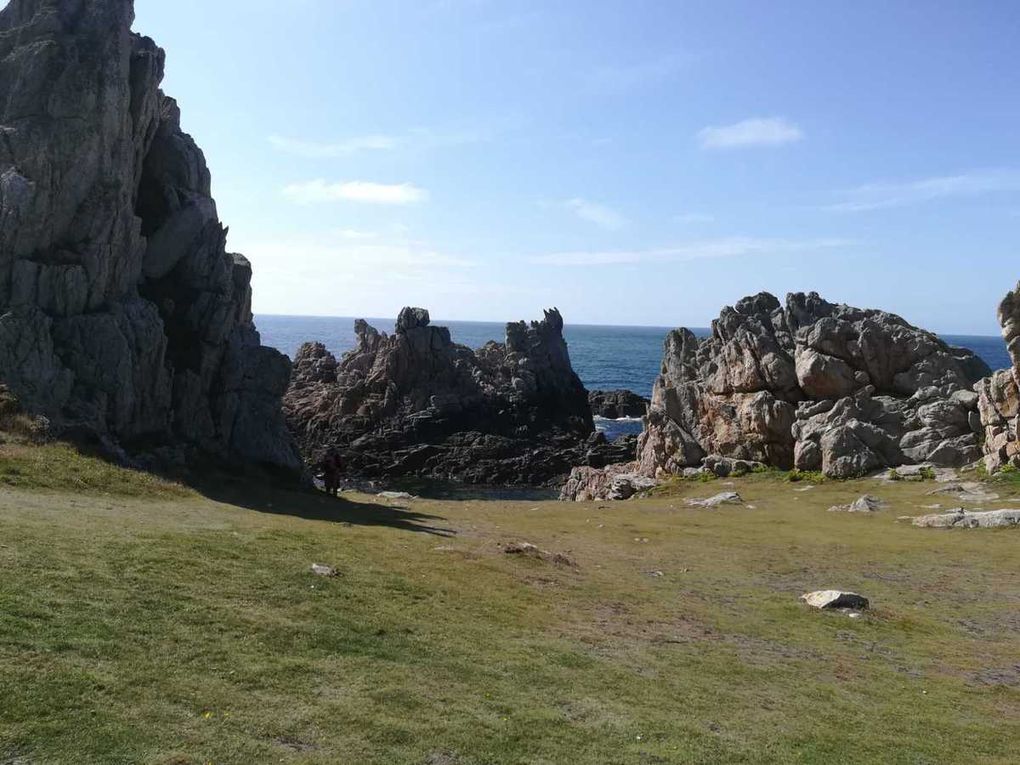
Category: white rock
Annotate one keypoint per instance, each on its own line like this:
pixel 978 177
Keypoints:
pixel 961 519
pixel 724 498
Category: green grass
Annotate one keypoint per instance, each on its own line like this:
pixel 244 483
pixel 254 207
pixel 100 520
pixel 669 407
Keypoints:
pixel 182 628
pixel 63 468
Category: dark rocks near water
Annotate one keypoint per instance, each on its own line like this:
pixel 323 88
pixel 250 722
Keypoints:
pixel 122 315
pixel 617 404
pixel 812 385
pixel 414 403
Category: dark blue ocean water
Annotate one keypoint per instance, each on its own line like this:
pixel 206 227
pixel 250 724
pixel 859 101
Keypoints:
pixel 605 357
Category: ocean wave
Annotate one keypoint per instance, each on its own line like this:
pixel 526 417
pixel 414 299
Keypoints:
pixel 599 418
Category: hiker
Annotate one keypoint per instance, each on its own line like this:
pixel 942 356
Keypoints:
pixel 331 467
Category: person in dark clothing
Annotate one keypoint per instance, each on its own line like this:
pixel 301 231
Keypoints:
pixel 331 468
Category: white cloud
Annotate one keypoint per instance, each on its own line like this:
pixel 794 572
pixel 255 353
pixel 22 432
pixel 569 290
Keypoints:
pixel 319 150
pixel 880 196
pixel 758 131
pixel 318 191
pixel 354 234
pixel 712 248
pixel 600 215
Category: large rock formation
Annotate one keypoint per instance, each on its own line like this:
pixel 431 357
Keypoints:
pixel 999 394
pixel 815 386
pixel 121 313
pixel 415 403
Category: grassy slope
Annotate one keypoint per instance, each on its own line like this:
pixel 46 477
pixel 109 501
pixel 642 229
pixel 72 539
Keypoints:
pixel 188 630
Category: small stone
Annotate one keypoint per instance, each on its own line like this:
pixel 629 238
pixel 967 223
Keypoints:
pixel 835 599
pixel 864 504
pixel 321 569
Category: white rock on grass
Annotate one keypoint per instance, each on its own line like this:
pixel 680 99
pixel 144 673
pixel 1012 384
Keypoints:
pixel 724 498
pixel 864 504
pixel 961 519
pixel 835 599
pixel 321 569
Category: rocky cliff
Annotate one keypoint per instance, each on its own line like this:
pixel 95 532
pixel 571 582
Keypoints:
pixel 999 395
pixel 414 403
pixel 811 385
pixel 121 313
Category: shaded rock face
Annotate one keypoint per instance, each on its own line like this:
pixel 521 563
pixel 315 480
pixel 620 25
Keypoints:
pixel 616 404
pixel 415 403
pixel 811 385
pixel 121 313
pixel 999 395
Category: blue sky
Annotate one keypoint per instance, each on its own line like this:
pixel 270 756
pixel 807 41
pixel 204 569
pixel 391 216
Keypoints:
pixel 629 162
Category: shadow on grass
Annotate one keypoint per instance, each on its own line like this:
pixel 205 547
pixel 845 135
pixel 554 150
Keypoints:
pixel 265 495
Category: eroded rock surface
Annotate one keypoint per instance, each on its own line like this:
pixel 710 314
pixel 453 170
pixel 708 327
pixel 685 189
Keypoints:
pixel 414 403
pixel 999 395
pixel 812 385
pixel 122 315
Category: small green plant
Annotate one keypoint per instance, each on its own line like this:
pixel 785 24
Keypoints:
pixel 706 476
pixel 893 475
pixel 927 473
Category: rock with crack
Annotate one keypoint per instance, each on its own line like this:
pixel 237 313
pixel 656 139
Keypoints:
pixel 835 599
pixel 812 385
pixel 123 317
pixel 723 498
pixel 863 504
pixel 962 519
pixel 414 403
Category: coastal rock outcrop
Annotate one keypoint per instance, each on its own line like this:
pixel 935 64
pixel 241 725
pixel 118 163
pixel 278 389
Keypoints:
pixel 811 385
pixel 617 404
pixel 414 403
pixel 999 394
pixel 122 315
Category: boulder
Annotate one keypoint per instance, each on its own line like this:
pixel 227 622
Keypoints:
pixel 962 519
pixel 122 315
pixel 812 385
pixel 863 504
pixel 617 404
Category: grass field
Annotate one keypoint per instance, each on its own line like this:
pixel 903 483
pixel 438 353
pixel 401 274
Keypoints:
pixel 144 622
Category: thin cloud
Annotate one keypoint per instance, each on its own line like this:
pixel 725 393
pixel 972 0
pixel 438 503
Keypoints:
pixel 319 150
pixel 882 196
pixel 319 191
pixel 593 212
pixel 708 249
pixel 421 138
pixel 758 131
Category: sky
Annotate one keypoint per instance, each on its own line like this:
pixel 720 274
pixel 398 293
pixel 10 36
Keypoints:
pixel 629 162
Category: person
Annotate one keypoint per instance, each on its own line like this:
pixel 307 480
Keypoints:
pixel 331 467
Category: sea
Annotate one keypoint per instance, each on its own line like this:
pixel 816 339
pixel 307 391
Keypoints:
pixel 605 357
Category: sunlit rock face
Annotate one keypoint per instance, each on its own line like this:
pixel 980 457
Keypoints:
pixel 812 385
pixel 122 315
pixel 999 394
